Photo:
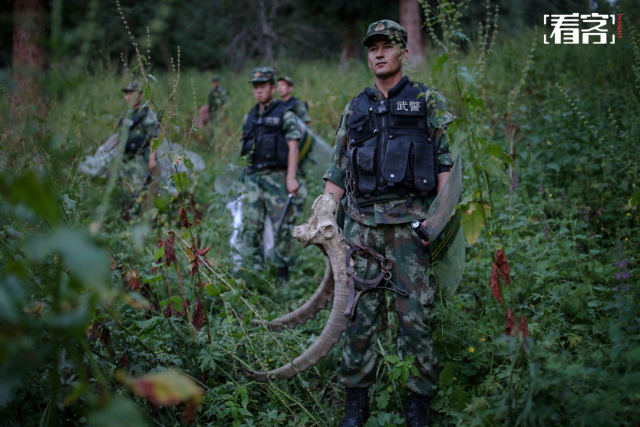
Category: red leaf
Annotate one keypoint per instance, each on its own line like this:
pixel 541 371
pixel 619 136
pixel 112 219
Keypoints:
pixel 509 326
pixel 503 266
pixel 169 251
pixel 198 314
pixel 203 251
pixel 124 362
pixel 183 218
pixel 133 279
pixel 185 307
pixel 494 283
pixel 524 327
pixel 168 310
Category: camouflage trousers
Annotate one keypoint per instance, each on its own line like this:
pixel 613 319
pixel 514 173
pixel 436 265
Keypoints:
pixel 409 273
pixel 267 194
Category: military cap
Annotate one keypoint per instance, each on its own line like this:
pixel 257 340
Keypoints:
pixel 133 87
pixel 261 75
pixel 215 78
pixel 386 27
pixel 287 79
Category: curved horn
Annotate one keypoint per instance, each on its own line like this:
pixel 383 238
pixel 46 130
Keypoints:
pixel 321 229
pixel 306 311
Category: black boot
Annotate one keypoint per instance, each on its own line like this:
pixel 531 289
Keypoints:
pixel 357 408
pixel 416 410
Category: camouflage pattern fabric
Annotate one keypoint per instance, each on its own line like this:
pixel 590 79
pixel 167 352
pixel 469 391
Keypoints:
pixel 300 109
pixel 217 98
pixel 409 273
pixel 266 194
pixel 392 208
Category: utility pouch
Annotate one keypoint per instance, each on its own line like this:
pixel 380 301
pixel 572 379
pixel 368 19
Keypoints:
pixel 424 171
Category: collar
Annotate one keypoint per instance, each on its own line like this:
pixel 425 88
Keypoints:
pixel 377 95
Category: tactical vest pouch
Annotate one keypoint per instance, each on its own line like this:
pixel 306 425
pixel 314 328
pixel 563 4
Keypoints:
pixel 396 159
pixel 365 157
pixel 360 127
pixel 408 114
pixel 247 146
pixel 269 145
pixel 424 170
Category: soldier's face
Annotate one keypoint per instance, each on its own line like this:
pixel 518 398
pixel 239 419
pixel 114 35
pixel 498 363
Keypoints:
pixel 133 98
pixel 284 89
pixel 385 58
pixel 263 92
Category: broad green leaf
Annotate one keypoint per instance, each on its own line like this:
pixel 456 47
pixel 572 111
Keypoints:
pixel 392 358
pixel 439 65
pixel 181 181
pixel 84 258
pixel 473 221
pixel 156 143
pixel 446 376
pixel 37 195
pixel 158 253
pixel 118 412
pixel 152 279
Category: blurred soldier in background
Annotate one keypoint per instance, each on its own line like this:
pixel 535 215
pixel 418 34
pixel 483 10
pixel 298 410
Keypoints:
pixel 211 114
pixel 217 99
pixel 270 140
pixel 285 87
pixel 139 159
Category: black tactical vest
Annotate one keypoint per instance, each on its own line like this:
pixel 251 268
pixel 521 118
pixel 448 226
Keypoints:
pixel 291 103
pixel 389 149
pixel 137 142
pixel 263 138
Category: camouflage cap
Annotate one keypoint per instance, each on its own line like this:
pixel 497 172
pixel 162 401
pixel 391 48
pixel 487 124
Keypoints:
pixel 287 79
pixel 132 87
pixel 261 75
pixel 386 27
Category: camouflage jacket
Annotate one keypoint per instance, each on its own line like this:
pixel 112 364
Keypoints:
pixel 289 125
pixel 300 108
pixel 217 98
pixel 392 208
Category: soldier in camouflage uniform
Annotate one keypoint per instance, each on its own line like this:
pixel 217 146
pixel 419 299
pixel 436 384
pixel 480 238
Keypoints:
pixel 390 159
pixel 217 99
pixel 139 160
pixel 270 140
pixel 285 87
pixel 216 102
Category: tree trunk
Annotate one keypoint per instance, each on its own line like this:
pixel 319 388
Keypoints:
pixel 411 20
pixel 350 44
pixel 267 36
pixel 29 56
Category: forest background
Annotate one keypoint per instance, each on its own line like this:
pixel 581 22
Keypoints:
pixel 112 320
